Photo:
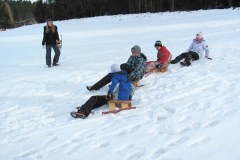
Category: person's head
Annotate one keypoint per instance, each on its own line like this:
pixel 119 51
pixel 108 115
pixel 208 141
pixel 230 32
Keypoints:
pixel 49 22
pixel 115 68
pixel 199 36
pixel 158 45
pixel 136 50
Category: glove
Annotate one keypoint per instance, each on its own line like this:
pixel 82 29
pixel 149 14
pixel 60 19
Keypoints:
pixel 108 96
pixel 208 57
pixel 158 65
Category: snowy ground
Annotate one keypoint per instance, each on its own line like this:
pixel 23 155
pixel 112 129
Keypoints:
pixel 189 113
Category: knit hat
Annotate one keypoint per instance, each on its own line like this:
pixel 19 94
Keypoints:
pixel 158 43
pixel 199 35
pixel 115 68
pixel 49 20
pixel 136 49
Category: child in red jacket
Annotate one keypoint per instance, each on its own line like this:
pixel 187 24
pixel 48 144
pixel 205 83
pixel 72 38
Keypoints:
pixel 162 63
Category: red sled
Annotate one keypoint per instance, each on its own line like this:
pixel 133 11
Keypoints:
pixel 123 105
pixel 116 111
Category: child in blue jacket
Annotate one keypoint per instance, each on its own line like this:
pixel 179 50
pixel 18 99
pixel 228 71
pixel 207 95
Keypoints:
pixel 121 88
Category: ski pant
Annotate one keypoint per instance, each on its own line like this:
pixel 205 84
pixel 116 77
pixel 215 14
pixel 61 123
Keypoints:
pixel 48 54
pixel 188 57
pixel 92 103
pixel 104 81
pixel 107 79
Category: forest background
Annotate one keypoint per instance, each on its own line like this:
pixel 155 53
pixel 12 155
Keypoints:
pixel 19 13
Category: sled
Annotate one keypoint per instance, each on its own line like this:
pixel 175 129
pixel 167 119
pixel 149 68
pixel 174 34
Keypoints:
pixel 59 43
pixel 160 70
pixel 123 105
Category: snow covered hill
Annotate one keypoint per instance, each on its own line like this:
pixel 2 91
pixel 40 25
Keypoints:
pixel 187 113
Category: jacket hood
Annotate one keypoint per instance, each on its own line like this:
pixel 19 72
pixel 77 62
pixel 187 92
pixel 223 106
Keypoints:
pixel 143 56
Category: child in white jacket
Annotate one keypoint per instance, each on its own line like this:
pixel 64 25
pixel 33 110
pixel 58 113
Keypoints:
pixel 195 51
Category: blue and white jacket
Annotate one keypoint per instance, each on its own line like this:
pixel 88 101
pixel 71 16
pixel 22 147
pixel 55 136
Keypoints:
pixel 122 87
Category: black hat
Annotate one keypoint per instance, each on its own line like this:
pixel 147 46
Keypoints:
pixel 158 43
pixel 49 20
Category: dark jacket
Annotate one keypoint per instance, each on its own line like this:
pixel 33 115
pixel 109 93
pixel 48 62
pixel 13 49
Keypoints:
pixel 138 65
pixel 122 87
pixel 50 37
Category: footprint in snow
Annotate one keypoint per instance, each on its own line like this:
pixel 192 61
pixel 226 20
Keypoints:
pixel 123 148
pixel 212 124
pixel 73 149
pixel 178 141
pixel 135 155
pixel 49 141
pixel 158 152
pixel 184 119
pixel 200 141
pixel 101 145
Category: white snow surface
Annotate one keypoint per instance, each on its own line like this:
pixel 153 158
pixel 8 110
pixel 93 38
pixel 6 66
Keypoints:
pixel 186 113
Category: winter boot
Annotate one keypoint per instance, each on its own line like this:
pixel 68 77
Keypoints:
pixel 78 114
pixel 188 59
pixel 176 60
pixel 183 63
pixel 55 64
pixel 89 88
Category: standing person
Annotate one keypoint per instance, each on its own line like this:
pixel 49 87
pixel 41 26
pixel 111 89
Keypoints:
pixel 121 89
pixel 163 59
pixel 194 52
pixel 135 67
pixel 50 35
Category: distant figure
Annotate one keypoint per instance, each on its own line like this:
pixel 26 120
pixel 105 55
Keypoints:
pixel 194 52
pixel 135 67
pixel 50 35
pixel 163 59
pixel 121 88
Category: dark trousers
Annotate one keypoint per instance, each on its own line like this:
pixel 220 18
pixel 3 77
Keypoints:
pixel 188 57
pixel 93 102
pixel 107 79
pixel 104 81
pixel 48 54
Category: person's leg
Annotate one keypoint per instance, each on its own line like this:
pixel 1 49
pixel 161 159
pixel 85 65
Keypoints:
pixel 178 58
pixel 195 56
pixel 104 81
pixel 188 59
pixel 150 66
pixel 93 102
pixel 48 55
pixel 57 54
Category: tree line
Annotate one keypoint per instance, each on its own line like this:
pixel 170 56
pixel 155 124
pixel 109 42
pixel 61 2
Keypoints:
pixel 16 13
pixel 13 13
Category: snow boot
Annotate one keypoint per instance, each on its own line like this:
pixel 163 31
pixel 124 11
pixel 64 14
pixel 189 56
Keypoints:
pixel 183 63
pixel 78 114
pixel 55 64
pixel 188 59
pixel 89 88
pixel 176 60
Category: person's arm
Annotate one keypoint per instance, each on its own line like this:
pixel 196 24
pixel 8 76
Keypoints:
pixel 165 58
pixel 136 73
pixel 190 47
pixel 205 46
pixel 113 85
pixel 44 36
pixel 57 36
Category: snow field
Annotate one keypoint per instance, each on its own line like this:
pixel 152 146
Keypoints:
pixel 186 113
